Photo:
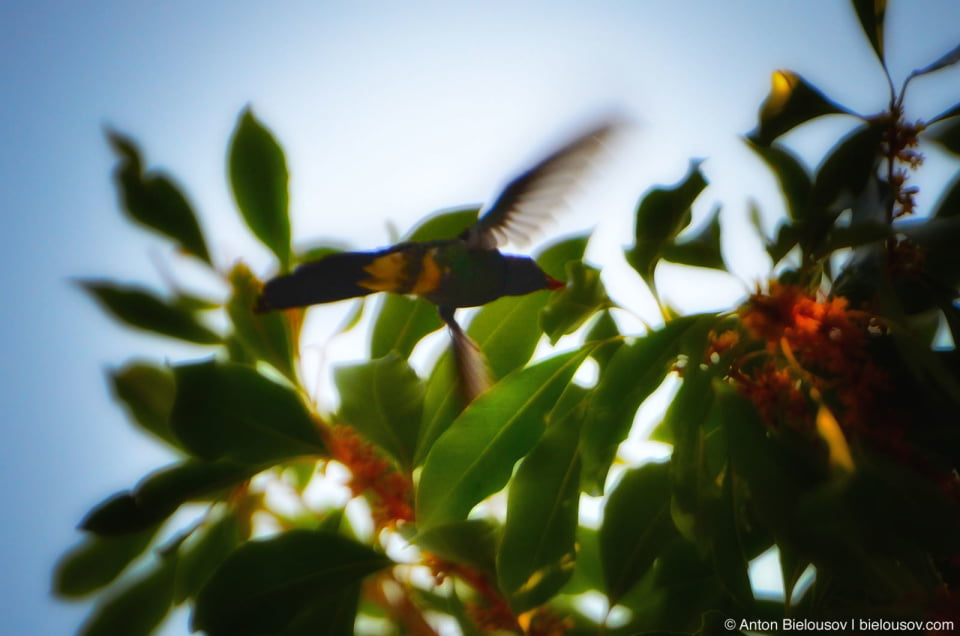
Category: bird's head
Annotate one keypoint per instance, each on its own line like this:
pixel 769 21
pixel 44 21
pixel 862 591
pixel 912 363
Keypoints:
pixel 524 276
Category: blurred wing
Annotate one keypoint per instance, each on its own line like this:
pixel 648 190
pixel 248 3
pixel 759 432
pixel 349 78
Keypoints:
pixel 533 197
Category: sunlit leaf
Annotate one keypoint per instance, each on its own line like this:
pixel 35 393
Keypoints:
pixel 445 224
pixel 700 250
pixel 96 561
pixel 472 543
pixel 228 410
pixel 636 527
pixel 474 457
pixel 553 258
pixel 507 332
pixel 661 215
pixel 147 392
pixel 267 336
pixel 153 200
pixel 259 180
pixel 572 306
pixel 138 606
pixel 269 585
pixel 633 373
pixel 401 323
pixel 870 13
pixel 791 101
pixel 538 550
pixel 142 309
pixel 383 400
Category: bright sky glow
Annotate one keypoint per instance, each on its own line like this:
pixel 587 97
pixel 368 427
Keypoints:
pixel 387 111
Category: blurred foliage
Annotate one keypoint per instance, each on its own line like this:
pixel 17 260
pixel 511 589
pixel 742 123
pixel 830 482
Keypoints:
pixel 819 418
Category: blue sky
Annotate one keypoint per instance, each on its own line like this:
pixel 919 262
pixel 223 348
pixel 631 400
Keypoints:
pixel 387 111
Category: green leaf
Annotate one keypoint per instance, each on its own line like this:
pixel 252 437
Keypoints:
pixel 383 400
pixel 794 179
pixel 138 606
pixel 96 561
pixel 401 323
pixel 266 336
pixel 791 101
pixel 949 58
pixel 538 550
pixel 228 410
pixel 636 527
pixel 472 543
pixel 203 552
pixel 159 494
pixel 870 13
pixel 141 309
pixel 445 224
pixel 588 572
pixel 953 111
pixel 474 457
pixel 633 373
pixel 947 134
pixel 948 205
pixel 553 258
pixel 268 586
pixel 573 305
pixel 153 200
pixel 700 250
pixel 845 171
pixel 661 215
pixel 147 392
pixel 506 330
pixel 606 331
pixel 259 180
pixel 333 615
pixel 729 559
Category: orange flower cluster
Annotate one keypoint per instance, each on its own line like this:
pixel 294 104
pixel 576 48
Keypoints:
pixel 494 614
pixel 812 345
pixel 391 491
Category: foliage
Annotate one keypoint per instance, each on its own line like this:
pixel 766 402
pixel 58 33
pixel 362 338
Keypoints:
pixel 819 417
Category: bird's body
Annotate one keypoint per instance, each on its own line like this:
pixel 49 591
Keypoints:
pixel 464 271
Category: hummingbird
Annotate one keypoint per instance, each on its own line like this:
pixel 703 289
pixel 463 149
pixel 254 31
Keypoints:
pixel 464 271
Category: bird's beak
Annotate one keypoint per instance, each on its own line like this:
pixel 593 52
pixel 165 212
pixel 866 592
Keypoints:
pixel 553 283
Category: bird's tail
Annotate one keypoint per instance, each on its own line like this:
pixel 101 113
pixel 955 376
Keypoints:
pixel 329 279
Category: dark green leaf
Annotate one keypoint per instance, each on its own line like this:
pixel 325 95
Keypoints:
pixel 871 14
pixel 97 561
pixel 475 456
pixel 259 180
pixel 333 615
pixel 538 550
pixel 787 237
pixel 636 527
pixel 948 205
pixel 573 305
pixel 953 111
pixel 845 171
pixel 203 552
pixel 949 58
pixel 588 572
pixel 661 215
pixel 401 323
pixel 268 586
pixel 147 391
pixel 553 258
pixel 947 134
pixel 266 336
pixel 700 250
pixel 794 179
pixel 138 606
pixel 633 373
pixel 472 543
pixel 791 101
pixel 153 200
pixel 159 494
pixel 729 559
pixel 228 410
pixel 383 400
pixel 140 308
